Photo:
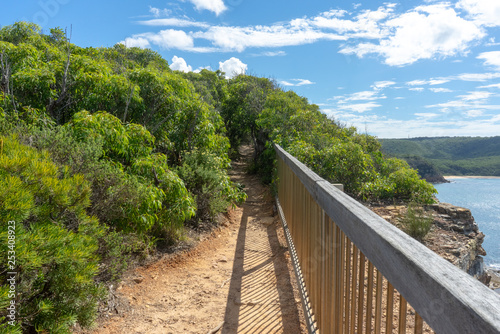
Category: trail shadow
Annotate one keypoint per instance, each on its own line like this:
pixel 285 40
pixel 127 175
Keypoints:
pixel 260 298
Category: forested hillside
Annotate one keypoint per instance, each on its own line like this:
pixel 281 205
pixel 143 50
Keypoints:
pixel 451 155
pixel 107 154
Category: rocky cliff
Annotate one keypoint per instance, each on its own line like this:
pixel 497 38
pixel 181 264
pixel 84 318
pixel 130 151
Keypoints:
pixel 454 235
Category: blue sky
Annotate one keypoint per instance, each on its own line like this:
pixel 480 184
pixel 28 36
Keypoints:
pixel 393 69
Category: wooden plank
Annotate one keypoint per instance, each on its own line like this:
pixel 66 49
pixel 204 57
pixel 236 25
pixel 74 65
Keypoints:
pixel 324 308
pixel 355 264
pixel 419 324
pixel 341 274
pixel 390 308
pixel 378 303
pixel 348 269
pixel 335 282
pixel 331 275
pixel 316 283
pixel 403 307
pixel 448 299
pixel 369 299
pixel 361 290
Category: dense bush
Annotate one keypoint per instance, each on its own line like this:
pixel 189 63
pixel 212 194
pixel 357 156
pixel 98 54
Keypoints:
pixel 205 178
pixel 336 153
pixel 133 189
pixel 56 241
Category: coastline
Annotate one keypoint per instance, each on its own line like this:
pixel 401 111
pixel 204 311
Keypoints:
pixel 470 177
pixel 491 269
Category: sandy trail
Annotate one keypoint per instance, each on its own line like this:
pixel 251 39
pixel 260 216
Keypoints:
pixel 238 279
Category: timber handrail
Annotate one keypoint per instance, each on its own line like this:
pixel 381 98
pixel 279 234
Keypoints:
pixel 333 233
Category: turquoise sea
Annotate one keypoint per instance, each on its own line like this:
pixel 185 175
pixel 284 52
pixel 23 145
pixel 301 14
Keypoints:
pixel 482 197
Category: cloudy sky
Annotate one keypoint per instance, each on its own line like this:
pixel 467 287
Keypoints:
pixel 393 69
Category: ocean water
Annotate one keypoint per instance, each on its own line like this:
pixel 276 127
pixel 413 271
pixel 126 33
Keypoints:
pixel 482 197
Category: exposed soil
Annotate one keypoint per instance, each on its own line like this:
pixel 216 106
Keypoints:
pixel 236 279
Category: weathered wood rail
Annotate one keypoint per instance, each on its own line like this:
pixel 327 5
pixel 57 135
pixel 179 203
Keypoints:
pixel 363 275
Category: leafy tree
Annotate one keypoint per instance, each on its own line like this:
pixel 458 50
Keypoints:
pixel 246 100
pixel 19 32
pixel 336 153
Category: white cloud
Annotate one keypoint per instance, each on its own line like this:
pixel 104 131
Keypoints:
pixel 302 82
pixel 477 95
pixel 440 90
pixel 474 113
pixel 484 12
pixel 472 104
pixel 426 115
pixel 240 38
pixel 426 32
pixel 464 105
pixel 166 39
pixel 359 107
pixel 174 22
pixel 416 82
pixel 179 64
pixel 274 53
pixel 423 125
pixel 491 86
pixel 296 82
pixel 159 12
pixel 172 39
pixel 438 81
pixel 216 6
pixel 345 102
pixel 379 85
pixel 476 76
pixel 154 11
pixel 417 89
pixel 367 95
pixel 139 42
pixel 491 58
pixel 365 25
pixel 492 42
pixel 233 67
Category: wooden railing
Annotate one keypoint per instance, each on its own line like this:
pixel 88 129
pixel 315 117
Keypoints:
pixel 360 274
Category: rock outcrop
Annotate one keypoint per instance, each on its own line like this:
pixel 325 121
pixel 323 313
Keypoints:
pixel 457 238
pixel 454 235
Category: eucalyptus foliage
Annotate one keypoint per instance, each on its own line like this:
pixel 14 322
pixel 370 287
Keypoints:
pixel 55 241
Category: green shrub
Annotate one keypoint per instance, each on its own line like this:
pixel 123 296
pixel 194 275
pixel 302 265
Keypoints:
pixel 416 223
pixel 206 178
pixel 56 241
pixel 410 187
pixel 133 189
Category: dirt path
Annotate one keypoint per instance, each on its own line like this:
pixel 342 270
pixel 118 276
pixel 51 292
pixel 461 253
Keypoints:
pixel 239 279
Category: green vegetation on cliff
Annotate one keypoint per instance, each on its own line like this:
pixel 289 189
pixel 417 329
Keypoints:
pixel 451 155
pixel 106 154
